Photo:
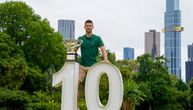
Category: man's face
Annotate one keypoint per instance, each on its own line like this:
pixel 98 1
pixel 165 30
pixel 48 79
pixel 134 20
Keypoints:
pixel 88 27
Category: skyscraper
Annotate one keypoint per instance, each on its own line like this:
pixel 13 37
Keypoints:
pixel 173 36
pixel 152 43
pixel 66 28
pixel 189 63
pixel 128 53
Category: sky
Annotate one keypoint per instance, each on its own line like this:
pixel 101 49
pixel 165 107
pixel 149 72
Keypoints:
pixel 120 23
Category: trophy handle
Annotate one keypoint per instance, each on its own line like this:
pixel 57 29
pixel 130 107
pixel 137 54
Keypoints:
pixel 79 42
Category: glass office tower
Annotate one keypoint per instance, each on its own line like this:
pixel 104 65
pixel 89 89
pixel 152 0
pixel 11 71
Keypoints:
pixel 173 36
pixel 128 53
pixel 67 28
pixel 152 43
pixel 189 64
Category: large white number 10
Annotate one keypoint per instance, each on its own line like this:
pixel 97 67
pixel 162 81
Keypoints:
pixel 68 78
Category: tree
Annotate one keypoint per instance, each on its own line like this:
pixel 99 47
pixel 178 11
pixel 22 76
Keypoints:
pixel 14 18
pixel 40 44
pixel 181 86
pixel 190 97
pixel 44 47
pixel 30 52
pixel 132 94
pixel 35 81
pixel 128 68
pixel 13 67
pixel 13 99
pixel 162 92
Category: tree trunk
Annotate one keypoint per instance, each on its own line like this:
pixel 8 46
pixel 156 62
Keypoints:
pixel 128 106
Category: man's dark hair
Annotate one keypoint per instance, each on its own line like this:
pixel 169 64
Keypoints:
pixel 88 21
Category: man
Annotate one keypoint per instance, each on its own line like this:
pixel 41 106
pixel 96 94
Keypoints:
pixel 89 50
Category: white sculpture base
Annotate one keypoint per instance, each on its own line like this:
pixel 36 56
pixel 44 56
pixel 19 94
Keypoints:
pixel 67 76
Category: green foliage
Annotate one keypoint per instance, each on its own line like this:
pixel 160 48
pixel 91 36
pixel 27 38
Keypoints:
pixel 127 68
pixel 44 47
pixel 151 68
pixel 146 89
pixel 30 52
pixel 35 81
pixel 182 98
pixel 132 95
pixel 191 85
pixel 82 105
pixel 104 89
pixel 43 106
pixel 42 101
pixel 164 91
pixel 190 97
pixel 13 99
pixel 37 39
pixel 13 67
pixel 181 86
pixel 20 100
pixel 110 55
pixel 14 18
pixel 56 95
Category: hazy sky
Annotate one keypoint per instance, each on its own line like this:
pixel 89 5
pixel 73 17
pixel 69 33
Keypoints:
pixel 120 23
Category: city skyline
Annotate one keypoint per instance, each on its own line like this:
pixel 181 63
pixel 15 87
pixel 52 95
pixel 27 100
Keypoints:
pixel 118 27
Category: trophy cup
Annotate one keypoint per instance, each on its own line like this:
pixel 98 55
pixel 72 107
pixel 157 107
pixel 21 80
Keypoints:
pixel 71 45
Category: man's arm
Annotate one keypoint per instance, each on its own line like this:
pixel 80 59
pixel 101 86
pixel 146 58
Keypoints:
pixel 104 53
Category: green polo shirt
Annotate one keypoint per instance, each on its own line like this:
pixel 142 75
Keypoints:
pixel 90 49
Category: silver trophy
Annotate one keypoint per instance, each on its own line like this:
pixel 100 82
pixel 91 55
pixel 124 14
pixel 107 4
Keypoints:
pixel 72 45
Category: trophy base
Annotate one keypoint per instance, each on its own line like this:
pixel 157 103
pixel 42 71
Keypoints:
pixel 71 57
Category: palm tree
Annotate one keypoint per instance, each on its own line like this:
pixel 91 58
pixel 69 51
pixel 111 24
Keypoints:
pixel 132 95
